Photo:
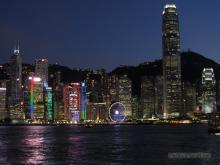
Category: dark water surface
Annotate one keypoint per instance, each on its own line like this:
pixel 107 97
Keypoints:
pixel 125 144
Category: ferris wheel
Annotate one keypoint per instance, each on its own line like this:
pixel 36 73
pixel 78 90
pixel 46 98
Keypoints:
pixel 116 112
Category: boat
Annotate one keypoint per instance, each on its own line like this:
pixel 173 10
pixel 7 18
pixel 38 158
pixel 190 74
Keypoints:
pixel 214 126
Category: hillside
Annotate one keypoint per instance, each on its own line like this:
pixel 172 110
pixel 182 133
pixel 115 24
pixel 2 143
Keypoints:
pixel 192 65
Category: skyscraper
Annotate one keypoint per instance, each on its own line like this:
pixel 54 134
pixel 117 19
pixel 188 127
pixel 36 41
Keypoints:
pixel 125 94
pixel 71 98
pixel 171 62
pixel 208 91
pixel 3 112
pixel 189 98
pixel 41 89
pixel 148 96
pixel 15 70
pixel 14 85
pixel 41 69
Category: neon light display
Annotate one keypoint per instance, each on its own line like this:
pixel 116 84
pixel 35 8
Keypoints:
pixel 72 99
pixel 36 99
pixel 32 97
pixel 49 104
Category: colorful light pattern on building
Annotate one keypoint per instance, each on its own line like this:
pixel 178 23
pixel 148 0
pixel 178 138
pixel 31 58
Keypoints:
pixel 35 96
pixel 72 99
pixel 32 97
pixel 83 101
pixel 49 106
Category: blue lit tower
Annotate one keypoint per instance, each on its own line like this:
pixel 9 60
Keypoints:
pixel 171 63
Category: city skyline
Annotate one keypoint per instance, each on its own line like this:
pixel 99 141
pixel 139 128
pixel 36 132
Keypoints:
pixel 160 94
pixel 61 102
pixel 127 36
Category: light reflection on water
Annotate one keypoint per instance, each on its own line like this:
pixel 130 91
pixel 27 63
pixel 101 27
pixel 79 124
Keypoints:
pixel 104 144
pixel 34 142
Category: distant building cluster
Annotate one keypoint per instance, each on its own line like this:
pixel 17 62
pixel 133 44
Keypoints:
pixel 35 96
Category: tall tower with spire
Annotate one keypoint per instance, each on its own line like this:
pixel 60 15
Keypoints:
pixel 172 103
pixel 15 83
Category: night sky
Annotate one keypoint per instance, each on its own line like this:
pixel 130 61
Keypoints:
pixel 103 33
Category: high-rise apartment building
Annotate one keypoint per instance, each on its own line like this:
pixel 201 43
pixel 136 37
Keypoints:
pixel 172 105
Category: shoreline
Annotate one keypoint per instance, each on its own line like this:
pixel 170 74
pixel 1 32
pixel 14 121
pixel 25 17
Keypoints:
pixel 102 124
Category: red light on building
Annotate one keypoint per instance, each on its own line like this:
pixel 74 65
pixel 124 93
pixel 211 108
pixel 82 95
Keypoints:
pixel 71 96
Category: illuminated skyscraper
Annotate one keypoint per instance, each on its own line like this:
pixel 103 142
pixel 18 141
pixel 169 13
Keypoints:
pixel 120 90
pixel 171 62
pixel 125 94
pixel 3 111
pixel 148 96
pixel 83 102
pixel 113 88
pixel 72 100
pixel 36 104
pixel 208 91
pixel 151 96
pixel 49 104
pixel 14 85
pixel 41 90
pixel 58 98
pixel 218 95
pixel 41 69
pixel 189 98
